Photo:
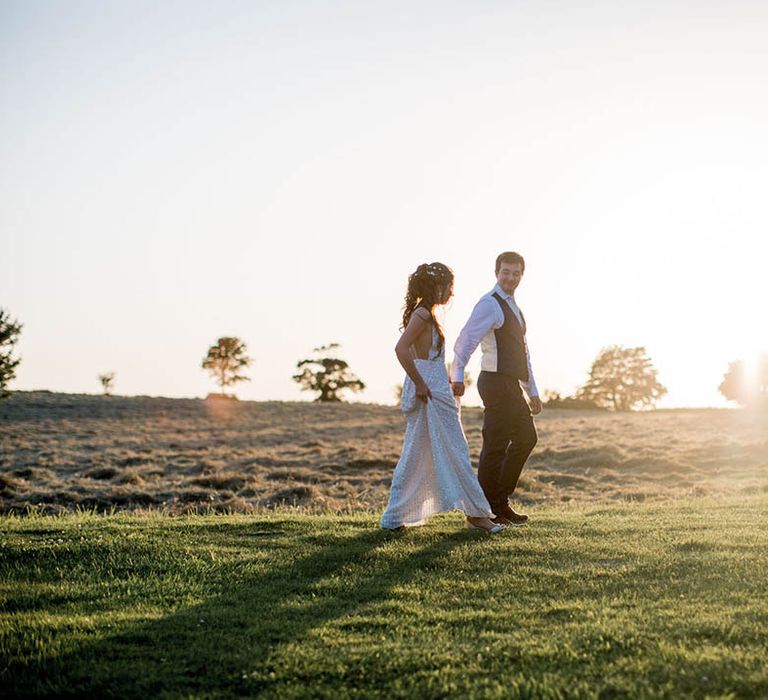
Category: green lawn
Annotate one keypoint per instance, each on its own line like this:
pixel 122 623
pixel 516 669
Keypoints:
pixel 645 600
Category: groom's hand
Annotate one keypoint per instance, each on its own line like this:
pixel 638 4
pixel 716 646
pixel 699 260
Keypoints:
pixel 535 403
pixel 458 388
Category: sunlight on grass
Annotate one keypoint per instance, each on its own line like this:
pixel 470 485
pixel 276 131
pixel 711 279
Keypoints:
pixel 665 599
pixel 175 455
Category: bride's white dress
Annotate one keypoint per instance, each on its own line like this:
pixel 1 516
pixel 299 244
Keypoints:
pixel 434 473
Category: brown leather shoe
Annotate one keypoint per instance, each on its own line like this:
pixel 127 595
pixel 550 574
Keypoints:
pixel 514 517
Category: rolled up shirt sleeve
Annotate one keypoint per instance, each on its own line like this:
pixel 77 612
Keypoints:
pixel 483 319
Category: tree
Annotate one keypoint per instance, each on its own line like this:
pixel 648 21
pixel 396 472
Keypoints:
pixel 622 379
pixel 330 375
pixel 225 359
pixel 9 335
pixel 107 382
pixel 553 399
pixel 748 388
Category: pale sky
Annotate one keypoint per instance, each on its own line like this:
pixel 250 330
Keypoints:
pixel 171 172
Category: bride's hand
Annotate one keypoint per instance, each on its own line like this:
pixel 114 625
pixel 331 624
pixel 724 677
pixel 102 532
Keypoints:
pixel 422 392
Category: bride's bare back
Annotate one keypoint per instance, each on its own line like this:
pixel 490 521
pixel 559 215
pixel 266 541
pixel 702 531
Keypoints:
pixel 422 343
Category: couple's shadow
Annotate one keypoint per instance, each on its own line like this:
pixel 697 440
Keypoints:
pixel 226 644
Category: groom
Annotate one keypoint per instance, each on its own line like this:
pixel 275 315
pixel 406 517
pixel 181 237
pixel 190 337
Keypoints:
pixel 498 325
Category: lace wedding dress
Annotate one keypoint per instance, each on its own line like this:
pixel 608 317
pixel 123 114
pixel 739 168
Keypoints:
pixel 434 473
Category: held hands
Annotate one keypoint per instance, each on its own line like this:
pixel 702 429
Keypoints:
pixel 457 388
pixel 535 403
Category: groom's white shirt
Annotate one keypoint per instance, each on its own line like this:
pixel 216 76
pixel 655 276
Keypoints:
pixel 485 318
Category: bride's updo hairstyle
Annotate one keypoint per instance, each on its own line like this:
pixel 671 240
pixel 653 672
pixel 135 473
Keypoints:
pixel 426 289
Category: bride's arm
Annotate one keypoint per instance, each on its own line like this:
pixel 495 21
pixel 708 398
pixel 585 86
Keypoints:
pixel 413 331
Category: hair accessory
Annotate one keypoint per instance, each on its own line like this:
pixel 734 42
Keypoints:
pixel 437 270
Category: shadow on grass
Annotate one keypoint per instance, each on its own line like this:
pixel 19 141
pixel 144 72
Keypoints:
pixel 225 645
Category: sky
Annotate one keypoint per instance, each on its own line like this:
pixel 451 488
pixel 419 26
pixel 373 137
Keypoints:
pixel 172 172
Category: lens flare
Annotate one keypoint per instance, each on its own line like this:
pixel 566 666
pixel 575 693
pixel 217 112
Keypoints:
pixel 754 378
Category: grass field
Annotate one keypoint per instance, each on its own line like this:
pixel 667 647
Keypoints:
pixel 642 573
pixel 60 452
pixel 635 600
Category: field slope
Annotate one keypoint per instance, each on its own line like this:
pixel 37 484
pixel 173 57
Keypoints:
pixel 60 452
pixel 666 599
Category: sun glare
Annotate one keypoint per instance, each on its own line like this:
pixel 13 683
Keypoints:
pixel 754 377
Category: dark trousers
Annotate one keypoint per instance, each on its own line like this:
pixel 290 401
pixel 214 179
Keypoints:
pixel 509 435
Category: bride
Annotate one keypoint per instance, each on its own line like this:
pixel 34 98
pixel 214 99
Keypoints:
pixel 434 473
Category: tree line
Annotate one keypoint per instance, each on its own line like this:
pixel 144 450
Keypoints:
pixel 328 376
pixel 620 378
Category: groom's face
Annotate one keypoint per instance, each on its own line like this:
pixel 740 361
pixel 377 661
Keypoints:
pixel 509 276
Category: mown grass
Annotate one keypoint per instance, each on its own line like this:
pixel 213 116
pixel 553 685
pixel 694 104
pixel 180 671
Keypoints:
pixel 644 600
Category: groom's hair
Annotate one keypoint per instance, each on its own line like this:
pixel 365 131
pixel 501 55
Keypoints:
pixel 509 257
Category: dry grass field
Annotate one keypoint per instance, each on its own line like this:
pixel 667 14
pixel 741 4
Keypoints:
pixel 63 452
